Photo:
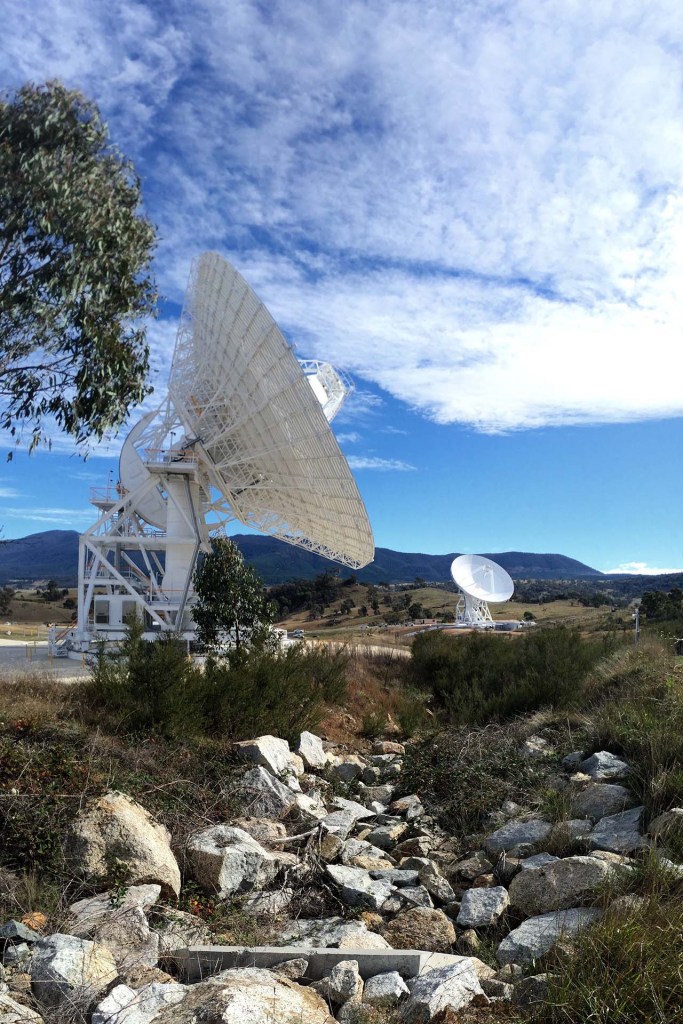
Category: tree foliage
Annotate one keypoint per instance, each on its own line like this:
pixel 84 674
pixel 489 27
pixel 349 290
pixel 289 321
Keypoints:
pixel 75 252
pixel 230 598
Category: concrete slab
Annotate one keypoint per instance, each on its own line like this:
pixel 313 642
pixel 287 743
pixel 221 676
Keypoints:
pixel 197 962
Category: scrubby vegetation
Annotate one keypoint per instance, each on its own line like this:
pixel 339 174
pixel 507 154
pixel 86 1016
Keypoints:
pixel 159 728
pixel 479 677
pixel 153 687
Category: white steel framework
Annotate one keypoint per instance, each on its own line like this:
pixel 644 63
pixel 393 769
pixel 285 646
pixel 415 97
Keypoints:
pixel 244 435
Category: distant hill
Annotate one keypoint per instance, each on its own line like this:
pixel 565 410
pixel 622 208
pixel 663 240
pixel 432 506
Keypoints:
pixel 54 555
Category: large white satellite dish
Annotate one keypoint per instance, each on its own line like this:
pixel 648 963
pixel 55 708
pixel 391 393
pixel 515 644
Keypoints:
pixel 481 581
pixel 243 435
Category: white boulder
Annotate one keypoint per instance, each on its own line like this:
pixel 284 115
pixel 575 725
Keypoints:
pixel 64 969
pixel 227 860
pixel 113 829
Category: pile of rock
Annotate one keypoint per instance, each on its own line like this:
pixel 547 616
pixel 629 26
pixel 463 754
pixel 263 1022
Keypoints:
pixel 383 857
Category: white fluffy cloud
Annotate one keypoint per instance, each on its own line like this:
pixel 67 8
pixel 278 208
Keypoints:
pixel 374 462
pixel 477 207
pixel 641 569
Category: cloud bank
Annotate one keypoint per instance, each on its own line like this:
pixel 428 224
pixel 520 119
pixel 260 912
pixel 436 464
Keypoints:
pixel 476 207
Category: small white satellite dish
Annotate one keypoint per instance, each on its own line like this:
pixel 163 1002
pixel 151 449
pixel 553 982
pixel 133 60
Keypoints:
pixel 481 581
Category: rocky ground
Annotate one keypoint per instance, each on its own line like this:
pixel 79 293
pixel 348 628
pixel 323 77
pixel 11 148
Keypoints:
pixel 324 851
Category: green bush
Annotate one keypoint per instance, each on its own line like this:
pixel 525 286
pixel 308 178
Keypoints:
pixel 480 677
pixel 280 693
pixel 152 687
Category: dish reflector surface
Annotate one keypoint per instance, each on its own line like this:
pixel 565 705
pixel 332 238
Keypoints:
pixel 481 578
pixel 248 407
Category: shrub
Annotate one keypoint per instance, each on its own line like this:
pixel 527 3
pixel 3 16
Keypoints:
pixel 281 693
pixel 153 688
pixel 479 677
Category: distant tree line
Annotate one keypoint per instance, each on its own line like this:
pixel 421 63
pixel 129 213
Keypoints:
pixel 659 606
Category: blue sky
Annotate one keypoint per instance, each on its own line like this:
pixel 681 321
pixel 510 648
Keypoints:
pixel 475 209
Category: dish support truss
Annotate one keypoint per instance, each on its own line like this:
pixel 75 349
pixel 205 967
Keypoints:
pixel 126 567
pixel 472 611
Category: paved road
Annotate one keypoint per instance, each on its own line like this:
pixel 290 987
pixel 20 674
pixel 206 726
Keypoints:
pixel 17 657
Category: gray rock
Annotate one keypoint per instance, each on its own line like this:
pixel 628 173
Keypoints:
pixel 603 766
pixel 397 876
pixel 227 860
pixel 339 823
pixel 16 954
pixel 410 807
pixel 532 989
pixel 669 822
pixel 473 866
pixel 263 830
pixel 454 986
pixel 87 915
pixel 269 751
pixel 386 988
pixel 498 989
pixel 124 1005
pixel 600 799
pixel 381 794
pixel 16 931
pixel 537 861
pixel 268 903
pixel 343 983
pixel 177 929
pixel 517 833
pixel 12 1012
pixel 435 883
pixel 248 995
pixel 359 811
pixel 572 760
pixel 292 969
pixel 358 888
pixel 371 776
pixel 346 767
pixel 409 896
pixel 310 749
pixel 113 829
pixel 262 795
pixel 357 853
pixel 123 930
pixel 619 833
pixel 558 885
pixel 536 746
pixel 309 808
pixel 65 968
pixel 537 935
pixel 387 836
pixel 482 908
pixel 333 932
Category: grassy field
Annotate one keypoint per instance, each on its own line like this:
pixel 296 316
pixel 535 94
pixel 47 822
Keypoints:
pixel 354 628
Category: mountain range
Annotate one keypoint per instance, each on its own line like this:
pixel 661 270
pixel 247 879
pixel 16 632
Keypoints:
pixel 53 554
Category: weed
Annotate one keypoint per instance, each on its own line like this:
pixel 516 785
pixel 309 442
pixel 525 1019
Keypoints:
pixel 463 775
pixel 374 724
